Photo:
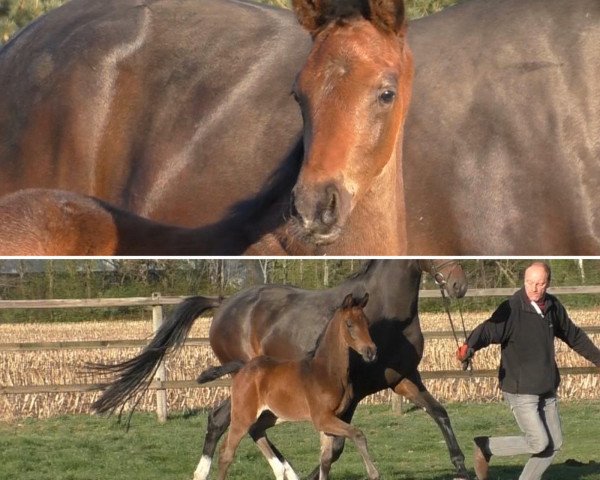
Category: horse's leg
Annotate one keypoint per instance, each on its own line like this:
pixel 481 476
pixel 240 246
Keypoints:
pixel 218 421
pixel 281 468
pixel 243 415
pixel 228 448
pixel 416 392
pixel 333 425
pixel 337 445
pixel 326 455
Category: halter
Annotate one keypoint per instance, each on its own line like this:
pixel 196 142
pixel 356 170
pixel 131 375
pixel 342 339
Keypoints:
pixel 441 282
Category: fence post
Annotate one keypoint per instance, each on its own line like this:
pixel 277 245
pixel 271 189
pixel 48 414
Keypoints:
pixel 397 404
pixel 161 371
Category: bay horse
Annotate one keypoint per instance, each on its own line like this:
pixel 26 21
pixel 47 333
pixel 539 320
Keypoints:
pixel 348 194
pixel 187 116
pixel 315 388
pixel 48 222
pixel 284 322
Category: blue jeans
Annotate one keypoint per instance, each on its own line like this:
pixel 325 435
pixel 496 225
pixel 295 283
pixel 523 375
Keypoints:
pixel 539 420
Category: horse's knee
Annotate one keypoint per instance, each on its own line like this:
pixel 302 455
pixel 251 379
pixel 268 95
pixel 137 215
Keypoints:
pixel 337 448
pixel 218 421
pixel 220 417
pixel 226 452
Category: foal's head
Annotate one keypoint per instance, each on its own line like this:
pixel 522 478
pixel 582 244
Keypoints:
pixel 355 327
pixel 353 92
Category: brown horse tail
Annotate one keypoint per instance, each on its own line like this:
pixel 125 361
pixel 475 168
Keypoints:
pixel 133 375
pixel 213 373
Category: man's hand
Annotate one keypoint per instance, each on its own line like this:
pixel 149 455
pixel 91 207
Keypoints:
pixel 464 354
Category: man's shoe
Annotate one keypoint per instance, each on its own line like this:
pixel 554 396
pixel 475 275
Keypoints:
pixel 481 457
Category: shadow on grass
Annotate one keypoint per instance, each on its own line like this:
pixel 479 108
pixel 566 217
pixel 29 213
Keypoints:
pixel 191 413
pixel 571 470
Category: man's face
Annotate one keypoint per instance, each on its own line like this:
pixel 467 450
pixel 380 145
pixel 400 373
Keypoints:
pixel 536 282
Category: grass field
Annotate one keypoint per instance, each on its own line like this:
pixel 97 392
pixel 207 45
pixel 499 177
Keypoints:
pixel 403 447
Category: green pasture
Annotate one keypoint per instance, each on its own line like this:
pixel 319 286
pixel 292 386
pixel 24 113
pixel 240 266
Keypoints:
pixel 407 446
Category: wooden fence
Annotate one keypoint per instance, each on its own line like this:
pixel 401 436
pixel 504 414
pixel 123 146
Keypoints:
pixel 160 383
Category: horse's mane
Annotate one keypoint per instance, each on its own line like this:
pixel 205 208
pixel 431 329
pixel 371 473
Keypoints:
pixel 365 267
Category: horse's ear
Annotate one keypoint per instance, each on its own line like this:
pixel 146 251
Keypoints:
pixel 389 15
pixel 348 301
pixel 364 300
pixel 309 14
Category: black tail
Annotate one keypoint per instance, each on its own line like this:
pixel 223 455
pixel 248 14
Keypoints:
pixel 133 376
pixel 217 372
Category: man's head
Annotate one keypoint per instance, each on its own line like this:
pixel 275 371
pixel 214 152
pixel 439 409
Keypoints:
pixel 537 279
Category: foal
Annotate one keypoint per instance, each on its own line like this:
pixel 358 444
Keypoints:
pixel 315 388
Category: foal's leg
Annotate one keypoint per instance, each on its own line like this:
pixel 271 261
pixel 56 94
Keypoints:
pixel 218 421
pixel 243 416
pixel 280 466
pixel 229 446
pixel 332 425
pixel 326 455
pixel 336 443
pixel 416 392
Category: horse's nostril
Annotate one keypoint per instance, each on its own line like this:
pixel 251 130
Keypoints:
pixel 293 209
pixel 371 354
pixel 329 214
pixel 333 201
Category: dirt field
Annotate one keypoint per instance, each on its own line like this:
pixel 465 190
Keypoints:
pixel 65 366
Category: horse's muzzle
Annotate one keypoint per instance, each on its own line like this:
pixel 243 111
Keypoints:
pixel 458 289
pixel 369 354
pixel 320 212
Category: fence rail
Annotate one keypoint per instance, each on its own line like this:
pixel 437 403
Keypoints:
pixel 161 384
pixel 176 384
pixel 194 341
pixel 157 299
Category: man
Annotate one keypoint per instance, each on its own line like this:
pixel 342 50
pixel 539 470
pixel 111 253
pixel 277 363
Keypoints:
pixel 525 326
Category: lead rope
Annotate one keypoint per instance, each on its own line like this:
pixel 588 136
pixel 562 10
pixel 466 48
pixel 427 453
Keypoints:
pixel 467 365
pixel 446 302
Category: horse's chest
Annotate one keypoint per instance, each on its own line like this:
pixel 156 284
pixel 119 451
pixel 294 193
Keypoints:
pixel 345 399
pixel 329 394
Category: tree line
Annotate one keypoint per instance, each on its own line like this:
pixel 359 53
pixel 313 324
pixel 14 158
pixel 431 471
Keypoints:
pixel 107 278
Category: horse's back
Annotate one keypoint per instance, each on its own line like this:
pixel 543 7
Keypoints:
pixel 276 320
pixel 501 145
pixel 151 104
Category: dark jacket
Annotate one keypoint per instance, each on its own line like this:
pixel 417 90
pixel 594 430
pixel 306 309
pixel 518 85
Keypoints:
pixel 528 364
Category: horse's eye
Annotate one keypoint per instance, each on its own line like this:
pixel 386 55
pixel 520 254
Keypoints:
pixel 387 96
pixel 349 324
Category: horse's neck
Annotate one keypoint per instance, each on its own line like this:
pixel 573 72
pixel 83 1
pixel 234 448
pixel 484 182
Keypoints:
pixel 393 286
pixel 331 355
